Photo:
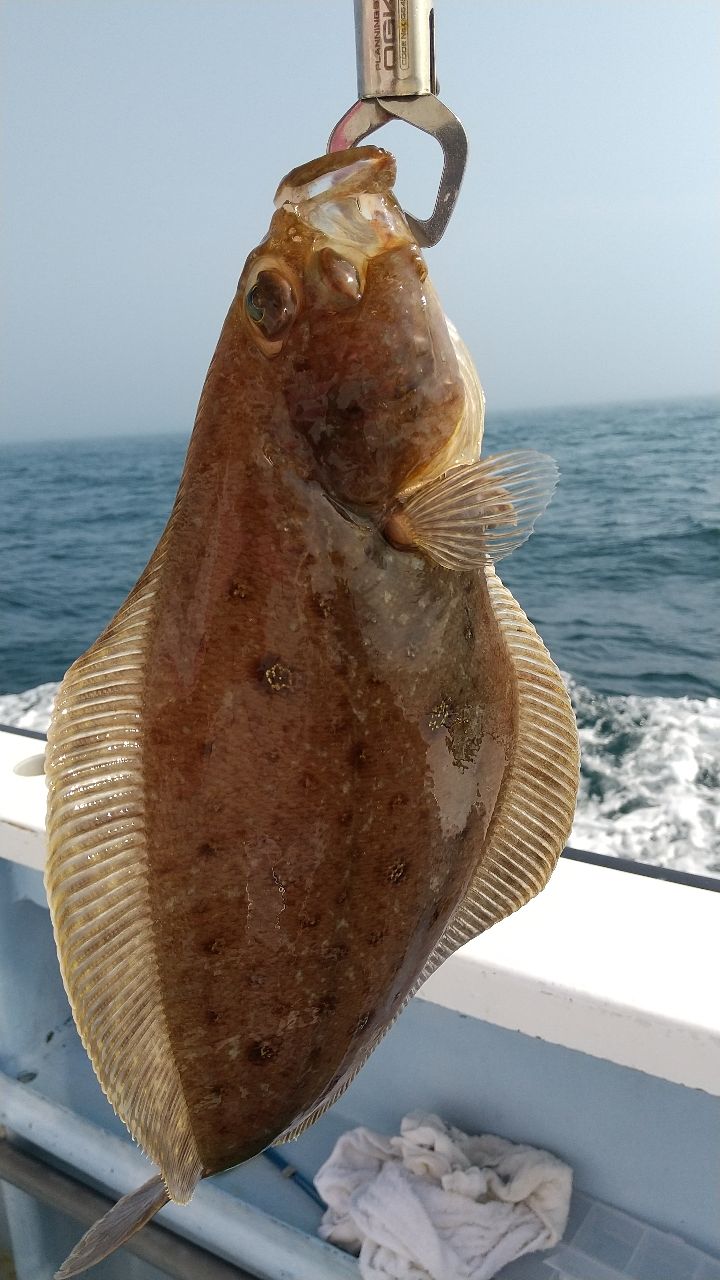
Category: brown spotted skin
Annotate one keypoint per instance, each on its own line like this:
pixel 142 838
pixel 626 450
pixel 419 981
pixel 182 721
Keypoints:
pixel 326 719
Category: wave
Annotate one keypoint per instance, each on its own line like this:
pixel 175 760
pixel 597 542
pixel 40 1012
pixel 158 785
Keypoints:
pixel 29 710
pixel 650 778
pixel 650 781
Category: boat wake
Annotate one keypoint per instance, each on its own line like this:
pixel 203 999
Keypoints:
pixel 650 781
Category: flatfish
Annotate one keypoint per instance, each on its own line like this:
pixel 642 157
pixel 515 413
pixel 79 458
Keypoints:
pixel 320 746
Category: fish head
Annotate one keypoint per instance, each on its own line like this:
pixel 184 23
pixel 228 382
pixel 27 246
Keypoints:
pixel 337 297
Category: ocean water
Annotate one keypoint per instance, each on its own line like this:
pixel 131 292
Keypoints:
pixel 621 578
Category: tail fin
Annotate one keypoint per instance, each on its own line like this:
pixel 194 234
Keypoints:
pixel 118 1225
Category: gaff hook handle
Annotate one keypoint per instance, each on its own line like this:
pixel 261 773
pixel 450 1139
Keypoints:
pixel 395 46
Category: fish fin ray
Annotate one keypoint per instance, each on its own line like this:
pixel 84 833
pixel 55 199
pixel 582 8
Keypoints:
pixel 97 887
pixel 534 811
pixel 476 513
pixel 115 1228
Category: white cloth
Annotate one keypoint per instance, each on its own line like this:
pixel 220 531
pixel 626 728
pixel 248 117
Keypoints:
pixel 436 1204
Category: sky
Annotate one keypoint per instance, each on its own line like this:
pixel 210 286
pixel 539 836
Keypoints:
pixel 142 142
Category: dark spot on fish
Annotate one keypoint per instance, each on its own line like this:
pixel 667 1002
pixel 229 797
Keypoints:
pixel 357 755
pixel 404 389
pixel 255 979
pixel 341 897
pixel 208 850
pixel 322 605
pixel 272 757
pixel 472 747
pixel 334 953
pixel 398 801
pixel 309 922
pixel 376 937
pixel 308 781
pixel 302 365
pixel 277 676
pixel 207 749
pixel 346 818
pixel 49 1036
pixel 441 716
pixel 26 1077
pixel 215 1096
pixel 469 634
pixel 435 915
pixel 237 591
pixel 397 871
pixel 260 1051
pixel 325 1005
pixel 213 946
pixel 213 1018
pixel 343 406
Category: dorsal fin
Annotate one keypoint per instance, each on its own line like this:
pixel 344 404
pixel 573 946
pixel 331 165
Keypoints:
pixel 476 513
pixel 96 881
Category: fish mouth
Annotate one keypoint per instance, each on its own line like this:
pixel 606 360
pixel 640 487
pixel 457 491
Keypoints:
pixel 347 196
pixel 355 171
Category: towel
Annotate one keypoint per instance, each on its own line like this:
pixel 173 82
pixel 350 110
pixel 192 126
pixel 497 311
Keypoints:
pixel 437 1204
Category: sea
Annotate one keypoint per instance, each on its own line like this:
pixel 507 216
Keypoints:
pixel 621 578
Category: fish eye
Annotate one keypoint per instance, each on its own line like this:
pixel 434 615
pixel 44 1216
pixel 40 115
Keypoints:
pixel 271 304
pixel 253 305
pixel 340 276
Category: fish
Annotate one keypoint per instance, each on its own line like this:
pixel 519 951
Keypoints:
pixel 320 746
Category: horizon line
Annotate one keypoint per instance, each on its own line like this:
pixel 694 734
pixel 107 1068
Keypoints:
pixel 490 411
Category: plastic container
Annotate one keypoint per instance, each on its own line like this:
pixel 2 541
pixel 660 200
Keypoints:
pixel 602 1243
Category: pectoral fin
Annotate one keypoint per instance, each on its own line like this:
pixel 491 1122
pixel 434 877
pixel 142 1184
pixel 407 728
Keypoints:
pixel 115 1228
pixel 475 514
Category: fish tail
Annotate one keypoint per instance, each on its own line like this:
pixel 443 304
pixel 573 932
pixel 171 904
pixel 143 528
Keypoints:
pixel 116 1227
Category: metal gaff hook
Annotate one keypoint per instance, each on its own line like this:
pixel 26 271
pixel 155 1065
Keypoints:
pixel 396 81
